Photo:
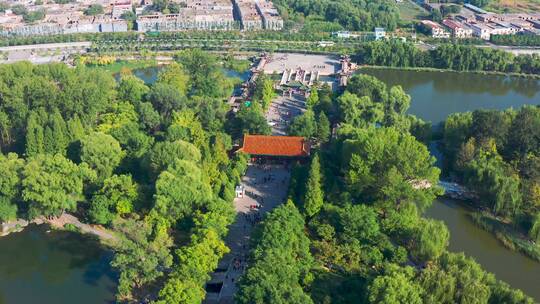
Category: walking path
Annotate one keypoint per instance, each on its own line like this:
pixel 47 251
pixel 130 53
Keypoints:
pixel 265 188
pixel 281 112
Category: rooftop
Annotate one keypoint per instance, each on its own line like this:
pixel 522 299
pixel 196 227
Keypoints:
pixel 290 146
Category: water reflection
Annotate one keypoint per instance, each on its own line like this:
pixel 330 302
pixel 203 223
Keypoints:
pixel 510 266
pixel 55 267
pixel 435 95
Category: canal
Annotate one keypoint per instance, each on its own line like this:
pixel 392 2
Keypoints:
pixel 60 267
pixel 435 95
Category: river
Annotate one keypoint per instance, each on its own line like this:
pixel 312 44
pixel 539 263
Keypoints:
pixel 510 266
pixel 435 95
pixel 54 267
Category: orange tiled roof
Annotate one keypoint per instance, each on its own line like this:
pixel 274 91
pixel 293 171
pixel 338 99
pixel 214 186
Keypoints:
pixel 291 146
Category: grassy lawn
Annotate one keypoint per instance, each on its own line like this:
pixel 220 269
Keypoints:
pixel 409 11
pixel 514 6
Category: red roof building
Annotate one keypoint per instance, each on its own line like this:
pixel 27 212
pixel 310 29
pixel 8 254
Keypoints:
pixel 284 146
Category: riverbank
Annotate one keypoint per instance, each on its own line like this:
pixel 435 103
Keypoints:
pixel 428 69
pixel 506 234
pixel 64 222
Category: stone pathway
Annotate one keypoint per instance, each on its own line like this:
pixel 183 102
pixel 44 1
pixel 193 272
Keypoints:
pixel 282 110
pixel 265 187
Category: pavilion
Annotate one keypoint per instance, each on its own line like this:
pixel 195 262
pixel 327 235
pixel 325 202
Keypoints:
pixel 268 147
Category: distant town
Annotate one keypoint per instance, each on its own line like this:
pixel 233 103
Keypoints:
pixel 38 17
pixel 473 21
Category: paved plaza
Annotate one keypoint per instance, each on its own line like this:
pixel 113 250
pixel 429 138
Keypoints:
pixel 282 110
pixel 324 64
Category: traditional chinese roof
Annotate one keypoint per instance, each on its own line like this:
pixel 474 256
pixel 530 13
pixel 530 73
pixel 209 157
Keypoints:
pixel 289 146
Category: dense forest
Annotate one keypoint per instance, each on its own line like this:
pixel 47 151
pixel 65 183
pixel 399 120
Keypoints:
pixel 150 164
pixel 352 230
pixel 326 15
pixel 457 57
pixel 497 155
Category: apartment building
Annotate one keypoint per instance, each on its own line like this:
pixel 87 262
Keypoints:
pixel 270 15
pixel 436 30
pixel 459 30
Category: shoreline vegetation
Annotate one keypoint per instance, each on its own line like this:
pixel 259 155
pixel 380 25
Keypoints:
pixel 507 235
pixel 428 69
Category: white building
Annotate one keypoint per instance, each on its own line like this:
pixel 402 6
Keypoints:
pixel 481 31
pixel 437 31
pixel 459 30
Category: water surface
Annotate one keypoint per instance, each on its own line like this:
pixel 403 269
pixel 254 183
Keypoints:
pixel 435 95
pixel 149 75
pixel 54 267
pixel 510 266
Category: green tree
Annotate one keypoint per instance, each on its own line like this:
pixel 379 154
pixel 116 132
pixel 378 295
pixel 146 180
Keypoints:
pixel 102 153
pixel 430 240
pixel 75 129
pixel 116 197
pixel 10 185
pixel 359 222
pixel 181 189
pixel 174 75
pixel 141 256
pixel 60 136
pixel 323 128
pixel 281 241
pixel 52 184
pixel 314 198
pixel 165 153
pixel 395 286
pixel 534 232
pixel 34 136
pixel 304 125
pixel 166 99
pixel 313 99
pixel 264 91
pixel 250 120
pixel 132 88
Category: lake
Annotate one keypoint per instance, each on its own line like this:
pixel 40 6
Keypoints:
pixel 435 95
pixel 149 75
pixel 54 267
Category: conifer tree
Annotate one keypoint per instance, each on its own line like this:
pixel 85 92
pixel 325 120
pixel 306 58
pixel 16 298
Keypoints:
pixel 313 99
pixel 313 200
pixel 323 128
pixel 34 136
pixel 48 141
pixel 59 133
pixel 75 129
